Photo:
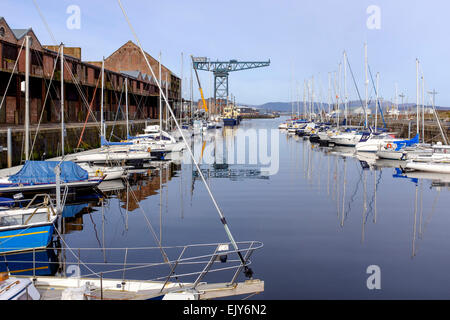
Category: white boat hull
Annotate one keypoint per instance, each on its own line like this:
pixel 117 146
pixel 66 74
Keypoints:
pixel 391 155
pixel 438 167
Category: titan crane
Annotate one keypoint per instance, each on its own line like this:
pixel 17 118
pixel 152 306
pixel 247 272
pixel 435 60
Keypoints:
pixel 221 70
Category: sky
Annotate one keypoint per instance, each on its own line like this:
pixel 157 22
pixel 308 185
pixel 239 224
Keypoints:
pixel 302 39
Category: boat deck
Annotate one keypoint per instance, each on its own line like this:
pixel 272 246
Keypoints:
pixel 206 291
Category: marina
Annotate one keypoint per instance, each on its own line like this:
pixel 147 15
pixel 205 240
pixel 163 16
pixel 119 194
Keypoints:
pixel 353 218
pixel 132 174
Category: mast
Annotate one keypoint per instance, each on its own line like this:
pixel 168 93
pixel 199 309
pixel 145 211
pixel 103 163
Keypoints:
pixel 329 93
pixel 376 103
pixel 126 105
pixel 304 99
pixel 312 99
pixel 345 89
pixel 62 100
pixel 423 109
pixel 292 91
pixel 308 84
pixel 335 92
pixel 102 126
pixel 167 113
pixel 181 89
pixel 339 94
pixel 396 97
pixel 27 97
pixel 417 95
pixel 192 92
pixel 298 100
pixel 366 84
pixel 160 102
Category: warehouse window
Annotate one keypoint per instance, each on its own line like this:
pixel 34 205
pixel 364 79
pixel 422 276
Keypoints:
pixel 2 32
pixel 9 52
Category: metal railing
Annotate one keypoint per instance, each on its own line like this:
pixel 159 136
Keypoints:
pixel 218 257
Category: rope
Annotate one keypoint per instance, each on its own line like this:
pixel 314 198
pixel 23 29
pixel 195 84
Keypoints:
pixel 12 73
pixel 88 114
pixel 356 86
pixel 118 108
pixel 45 102
pixel 70 250
pixel 149 225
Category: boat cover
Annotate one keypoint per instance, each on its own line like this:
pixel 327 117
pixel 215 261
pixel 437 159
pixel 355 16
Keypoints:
pixel 105 142
pixel 42 172
pixel 407 143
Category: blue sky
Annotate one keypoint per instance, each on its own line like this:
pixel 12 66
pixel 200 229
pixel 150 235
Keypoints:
pixel 301 38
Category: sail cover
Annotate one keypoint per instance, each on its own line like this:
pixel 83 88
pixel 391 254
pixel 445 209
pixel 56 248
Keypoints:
pixel 39 172
pixel 407 143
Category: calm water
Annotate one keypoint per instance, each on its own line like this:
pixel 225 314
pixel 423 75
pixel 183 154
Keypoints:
pixel 324 217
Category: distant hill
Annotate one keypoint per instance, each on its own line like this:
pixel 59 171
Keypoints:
pixel 287 106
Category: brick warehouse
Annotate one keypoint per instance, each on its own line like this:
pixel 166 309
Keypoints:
pixel 125 63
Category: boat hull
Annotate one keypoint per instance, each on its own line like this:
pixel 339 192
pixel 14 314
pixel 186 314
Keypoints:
pixel 429 167
pixel 390 155
pixel 26 238
pixel 34 188
pixel 230 122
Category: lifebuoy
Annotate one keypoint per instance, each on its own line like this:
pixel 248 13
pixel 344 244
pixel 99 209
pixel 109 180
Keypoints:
pixel 98 173
pixel 389 145
pixel 149 150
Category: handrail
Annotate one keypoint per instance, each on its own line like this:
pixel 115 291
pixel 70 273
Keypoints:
pixel 209 260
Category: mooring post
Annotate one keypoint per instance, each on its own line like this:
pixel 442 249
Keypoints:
pixel 9 146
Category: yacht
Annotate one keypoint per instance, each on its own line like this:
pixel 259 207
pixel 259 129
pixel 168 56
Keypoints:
pixel 348 138
pixel 372 142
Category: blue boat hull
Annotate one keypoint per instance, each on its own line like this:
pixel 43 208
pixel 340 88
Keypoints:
pixel 22 238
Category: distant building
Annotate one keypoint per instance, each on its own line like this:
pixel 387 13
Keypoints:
pixel 360 110
pixel 247 111
pixel 82 85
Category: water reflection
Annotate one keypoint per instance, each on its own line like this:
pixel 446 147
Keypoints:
pixel 44 262
pixel 358 192
pixel 326 209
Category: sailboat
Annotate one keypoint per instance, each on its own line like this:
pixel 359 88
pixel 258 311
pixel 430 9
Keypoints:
pixel 108 173
pixel 374 141
pixel 32 227
pixel 348 138
pixel 402 149
pixel 27 228
pixel 38 176
pixel 113 152
pixel 154 136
